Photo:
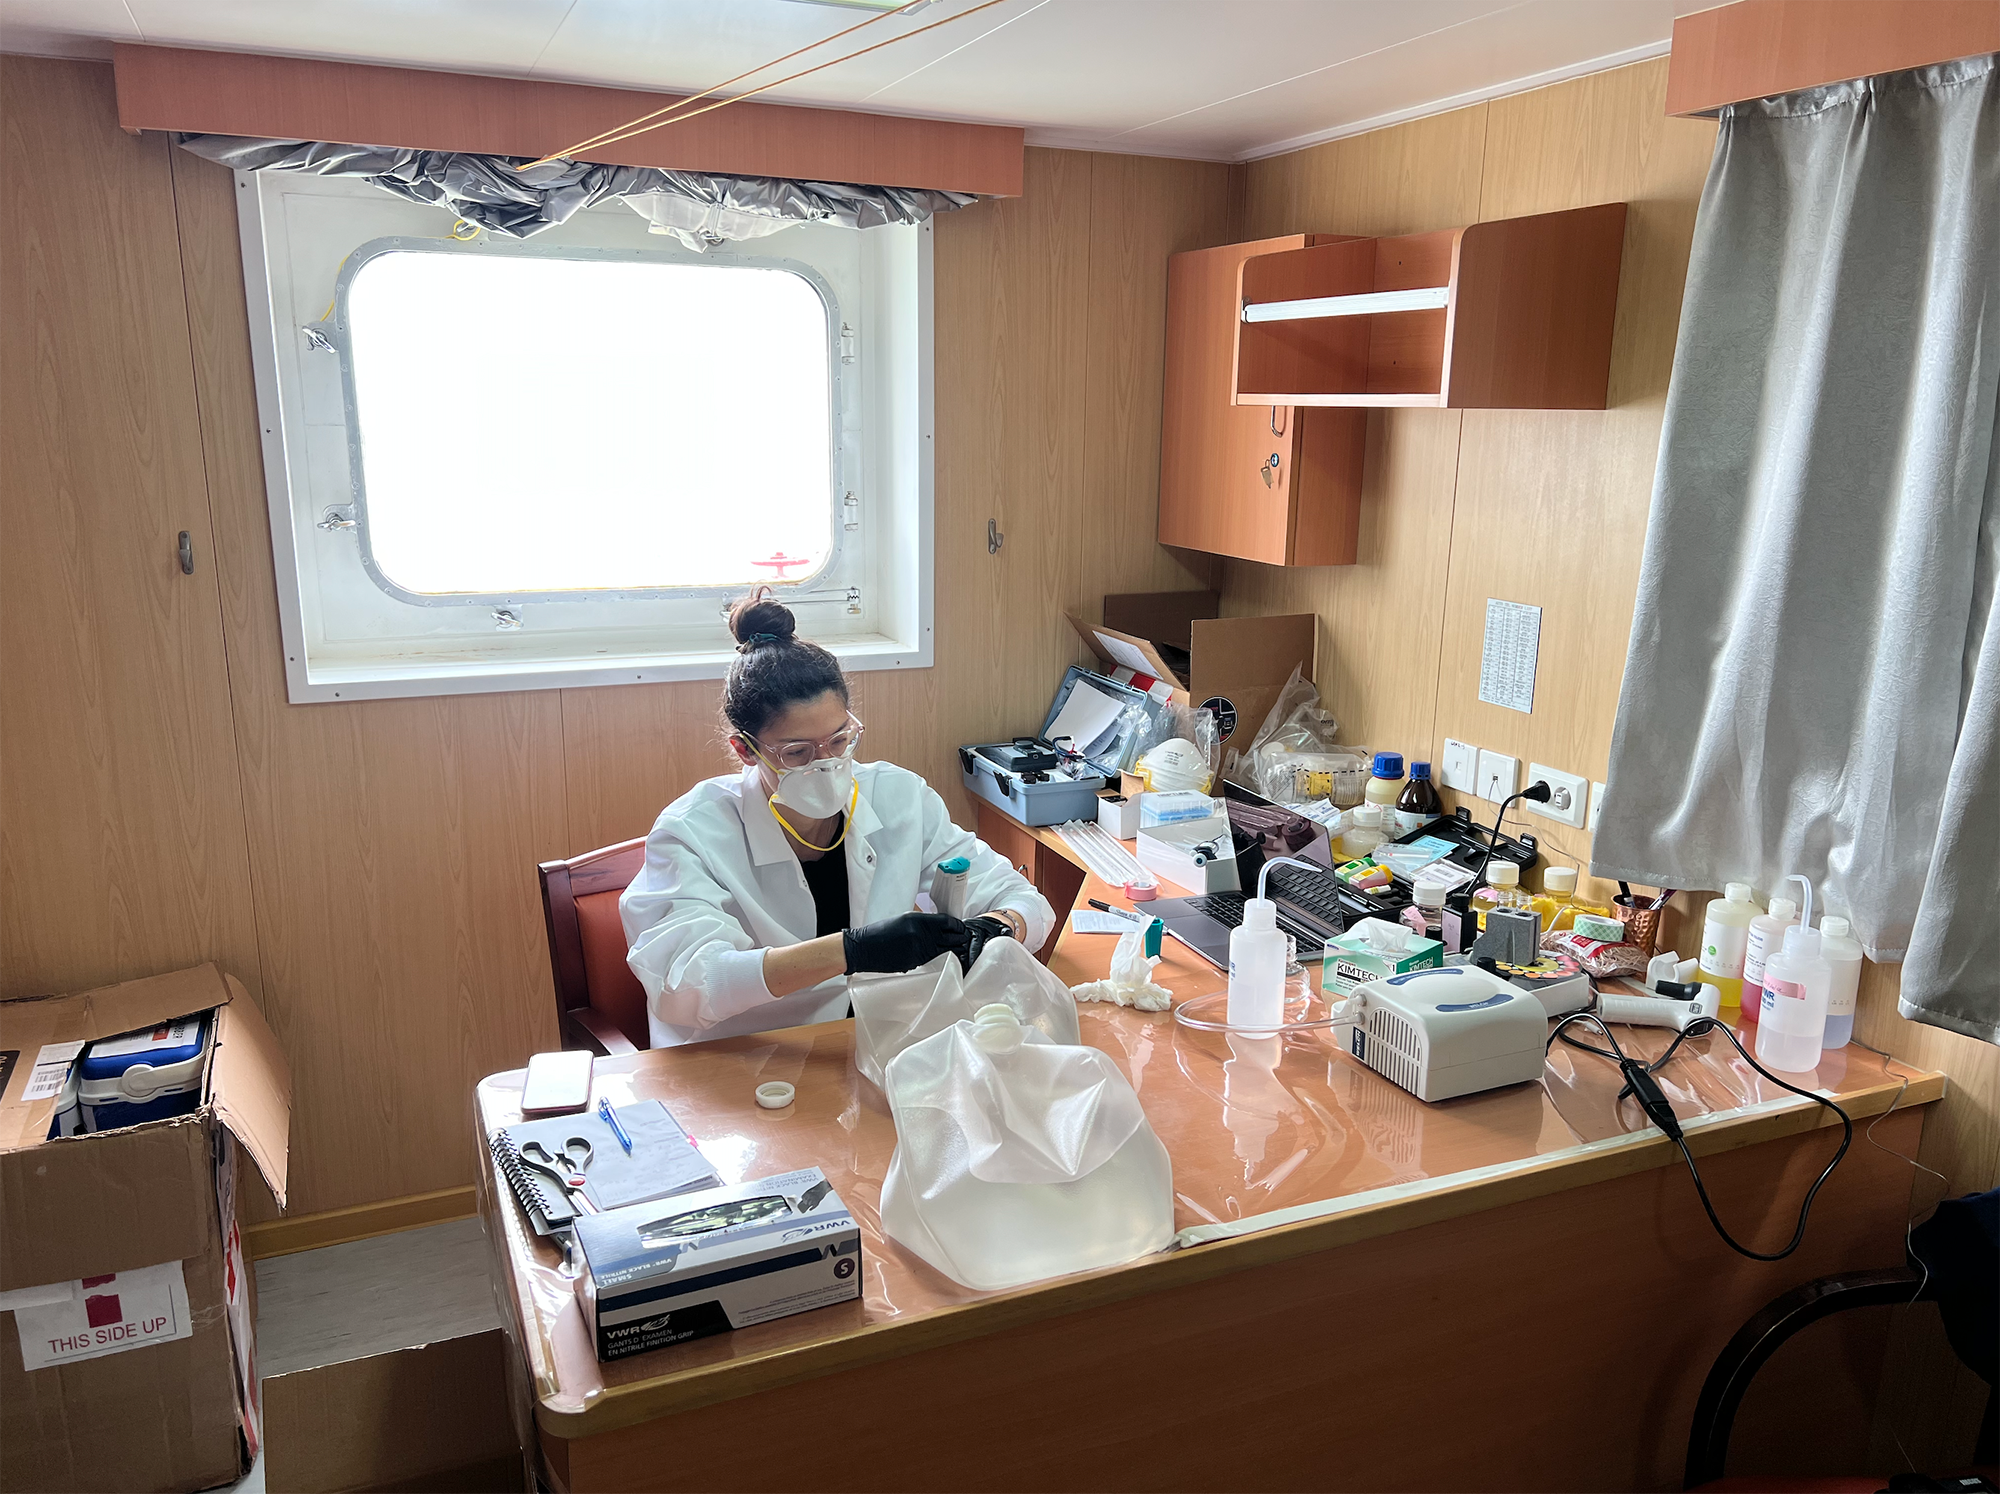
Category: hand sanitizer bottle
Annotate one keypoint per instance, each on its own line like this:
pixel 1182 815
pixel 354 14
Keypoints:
pixel 1843 954
pixel 1797 982
pixel 1257 968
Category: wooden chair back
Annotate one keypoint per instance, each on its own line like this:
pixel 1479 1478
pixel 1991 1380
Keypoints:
pixel 600 1004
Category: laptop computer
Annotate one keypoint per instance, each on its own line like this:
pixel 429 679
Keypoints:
pixel 1313 905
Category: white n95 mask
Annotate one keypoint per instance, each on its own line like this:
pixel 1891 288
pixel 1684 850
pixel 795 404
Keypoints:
pixel 820 790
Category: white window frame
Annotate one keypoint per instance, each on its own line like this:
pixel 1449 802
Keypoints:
pixel 871 604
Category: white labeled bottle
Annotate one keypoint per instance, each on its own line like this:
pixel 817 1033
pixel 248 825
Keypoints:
pixel 1385 784
pixel 1257 967
pixel 1767 930
pixel 1842 953
pixel 1725 936
pixel 1796 983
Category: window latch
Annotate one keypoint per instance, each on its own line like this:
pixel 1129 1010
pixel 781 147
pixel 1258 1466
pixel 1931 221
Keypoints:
pixel 846 343
pixel 339 517
pixel 854 600
pixel 851 508
pixel 317 340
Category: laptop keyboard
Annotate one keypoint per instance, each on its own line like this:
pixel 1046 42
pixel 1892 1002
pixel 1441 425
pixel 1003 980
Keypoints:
pixel 1316 895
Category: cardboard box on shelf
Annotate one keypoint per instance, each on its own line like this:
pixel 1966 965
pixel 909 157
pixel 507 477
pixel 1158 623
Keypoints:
pixel 126 1310
pixel 1233 665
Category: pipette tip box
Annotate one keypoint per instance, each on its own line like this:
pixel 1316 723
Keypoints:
pixel 658 1273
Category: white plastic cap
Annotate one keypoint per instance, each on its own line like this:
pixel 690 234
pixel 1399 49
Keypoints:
pixel 997 1029
pixel 1560 880
pixel 1836 927
pixel 1260 914
pixel 1429 894
pixel 1503 874
pixel 1369 815
pixel 1738 892
pixel 1783 907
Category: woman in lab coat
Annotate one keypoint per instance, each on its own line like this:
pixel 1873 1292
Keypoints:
pixel 762 891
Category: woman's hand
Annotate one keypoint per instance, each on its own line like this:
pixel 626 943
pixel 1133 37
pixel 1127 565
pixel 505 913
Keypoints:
pixel 904 942
pixel 983 931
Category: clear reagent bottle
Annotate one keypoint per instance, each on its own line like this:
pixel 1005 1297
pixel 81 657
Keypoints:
pixel 1502 889
pixel 1842 953
pixel 1796 983
pixel 1767 932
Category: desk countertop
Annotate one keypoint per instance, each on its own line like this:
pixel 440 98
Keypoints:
pixel 1252 1127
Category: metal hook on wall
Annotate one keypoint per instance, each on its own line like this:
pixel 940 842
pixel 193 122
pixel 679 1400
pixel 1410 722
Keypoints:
pixel 994 538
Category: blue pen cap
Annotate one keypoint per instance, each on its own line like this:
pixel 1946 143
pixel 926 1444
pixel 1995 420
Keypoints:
pixel 954 866
pixel 1388 765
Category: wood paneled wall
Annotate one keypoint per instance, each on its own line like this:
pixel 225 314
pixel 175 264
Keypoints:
pixel 1550 507
pixel 368 868
pixel 1546 507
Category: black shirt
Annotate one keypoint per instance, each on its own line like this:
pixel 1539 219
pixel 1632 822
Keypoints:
pixel 826 878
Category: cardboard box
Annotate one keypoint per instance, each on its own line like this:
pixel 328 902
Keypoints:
pixel 126 1308
pixel 701 1263
pixel 1233 665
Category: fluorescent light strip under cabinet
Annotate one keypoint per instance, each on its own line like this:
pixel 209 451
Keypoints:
pixel 1424 298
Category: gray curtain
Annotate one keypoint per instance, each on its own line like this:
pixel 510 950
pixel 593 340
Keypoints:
pixel 699 209
pixel 1813 681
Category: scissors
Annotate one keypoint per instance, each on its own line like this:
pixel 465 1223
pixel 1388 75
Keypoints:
pixel 566 1167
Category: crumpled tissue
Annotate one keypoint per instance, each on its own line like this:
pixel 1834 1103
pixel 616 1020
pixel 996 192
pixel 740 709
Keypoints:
pixel 1131 982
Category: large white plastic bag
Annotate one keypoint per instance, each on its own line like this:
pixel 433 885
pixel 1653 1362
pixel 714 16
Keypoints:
pixel 1018 1159
pixel 893 1011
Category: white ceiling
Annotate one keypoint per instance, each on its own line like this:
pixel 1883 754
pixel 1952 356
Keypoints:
pixel 1217 79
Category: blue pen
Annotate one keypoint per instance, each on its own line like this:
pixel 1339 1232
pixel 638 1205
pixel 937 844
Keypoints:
pixel 611 1119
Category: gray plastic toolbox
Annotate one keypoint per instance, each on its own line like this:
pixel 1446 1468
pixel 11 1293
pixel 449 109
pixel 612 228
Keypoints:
pixel 1040 782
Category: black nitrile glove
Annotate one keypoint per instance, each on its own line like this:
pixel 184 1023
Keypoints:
pixel 903 943
pixel 980 932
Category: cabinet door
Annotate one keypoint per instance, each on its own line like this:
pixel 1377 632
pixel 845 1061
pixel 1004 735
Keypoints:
pixel 124 852
pixel 1214 455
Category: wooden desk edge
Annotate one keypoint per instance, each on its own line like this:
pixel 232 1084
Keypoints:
pixel 626 1406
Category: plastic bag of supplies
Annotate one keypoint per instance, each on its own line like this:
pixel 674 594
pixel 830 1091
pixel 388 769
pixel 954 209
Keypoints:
pixel 1019 1159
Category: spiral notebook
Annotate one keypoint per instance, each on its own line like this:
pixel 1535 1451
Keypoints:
pixel 663 1161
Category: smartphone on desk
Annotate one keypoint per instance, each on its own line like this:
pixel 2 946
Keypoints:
pixel 556 1082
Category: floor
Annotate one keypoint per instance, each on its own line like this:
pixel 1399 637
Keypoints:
pixel 370 1297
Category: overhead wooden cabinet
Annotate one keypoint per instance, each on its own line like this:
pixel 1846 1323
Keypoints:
pixel 1510 315
pixel 1260 482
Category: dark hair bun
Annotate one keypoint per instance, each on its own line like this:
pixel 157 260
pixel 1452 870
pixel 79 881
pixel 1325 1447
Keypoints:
pixel 759 621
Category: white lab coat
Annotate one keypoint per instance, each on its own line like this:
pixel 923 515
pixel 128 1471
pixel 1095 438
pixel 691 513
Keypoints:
pixel 720 886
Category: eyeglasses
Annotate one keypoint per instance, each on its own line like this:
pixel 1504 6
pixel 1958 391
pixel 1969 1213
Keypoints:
pixel 803 754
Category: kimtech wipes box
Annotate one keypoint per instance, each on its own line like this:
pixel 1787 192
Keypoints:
pixel 679 1268
pixel 126 1306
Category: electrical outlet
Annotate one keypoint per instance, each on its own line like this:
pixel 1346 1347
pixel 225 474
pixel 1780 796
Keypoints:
pixel 1497 775
pixel 1566 800
pixel 1596 805
pixel 1460 767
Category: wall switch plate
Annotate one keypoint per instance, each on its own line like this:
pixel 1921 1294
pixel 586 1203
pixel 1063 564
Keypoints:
pixel 1460 767
pixel 1596 805
pixel 1566 803
pixel 1497 775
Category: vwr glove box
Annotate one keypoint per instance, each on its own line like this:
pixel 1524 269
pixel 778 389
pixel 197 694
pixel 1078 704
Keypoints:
pixel 1053 777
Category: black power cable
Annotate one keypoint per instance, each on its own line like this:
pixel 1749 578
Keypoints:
pixel 1641 1085
pixel 1538 791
